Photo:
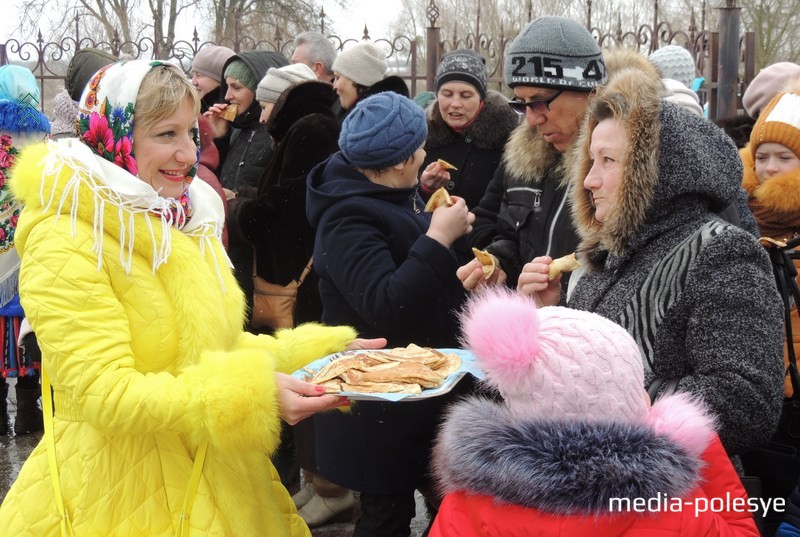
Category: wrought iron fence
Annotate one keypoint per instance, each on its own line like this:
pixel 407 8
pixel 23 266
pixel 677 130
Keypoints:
pixel 413 58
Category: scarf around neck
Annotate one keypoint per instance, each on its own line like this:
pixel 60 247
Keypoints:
pixel 775 203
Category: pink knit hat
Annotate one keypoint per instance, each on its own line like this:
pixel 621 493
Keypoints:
pixel 554 362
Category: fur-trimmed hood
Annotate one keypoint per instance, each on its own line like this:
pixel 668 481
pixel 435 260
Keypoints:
pixel 490 130
pixel 674 161
pixel 775 203
pixel 571 467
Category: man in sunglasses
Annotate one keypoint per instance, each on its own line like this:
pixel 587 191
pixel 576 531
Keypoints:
pixel 553 66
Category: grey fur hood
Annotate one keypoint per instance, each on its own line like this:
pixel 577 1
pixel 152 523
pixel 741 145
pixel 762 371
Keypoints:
pixel 675 162
pixel 490 130
pixel 569 467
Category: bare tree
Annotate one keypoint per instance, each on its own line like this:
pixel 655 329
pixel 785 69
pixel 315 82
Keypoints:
pixel 111 16
pixel 102 20
pixel 774 22
pixel 165 17
pixel 261 19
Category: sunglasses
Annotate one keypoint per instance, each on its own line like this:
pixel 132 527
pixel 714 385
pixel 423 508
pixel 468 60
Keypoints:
pixel 540 106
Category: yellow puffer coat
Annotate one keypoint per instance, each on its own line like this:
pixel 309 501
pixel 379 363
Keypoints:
pixel 145 366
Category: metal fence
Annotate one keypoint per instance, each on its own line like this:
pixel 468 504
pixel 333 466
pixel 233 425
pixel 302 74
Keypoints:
pixel 415 58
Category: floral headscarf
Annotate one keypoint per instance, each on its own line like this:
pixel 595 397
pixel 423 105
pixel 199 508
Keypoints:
pixel 106 124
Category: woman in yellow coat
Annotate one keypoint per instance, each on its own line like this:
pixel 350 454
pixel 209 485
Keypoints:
pixel 139 319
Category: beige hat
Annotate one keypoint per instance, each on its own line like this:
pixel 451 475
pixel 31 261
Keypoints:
pixel 766 85
pixel 364 63
pixel 277 80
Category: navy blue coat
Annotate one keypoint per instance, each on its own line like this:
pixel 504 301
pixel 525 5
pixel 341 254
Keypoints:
pixel 381 274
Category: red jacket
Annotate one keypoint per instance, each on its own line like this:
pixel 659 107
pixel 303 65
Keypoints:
pixel 514 473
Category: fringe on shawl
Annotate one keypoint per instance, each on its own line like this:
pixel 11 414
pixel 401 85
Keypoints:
pixel 127 209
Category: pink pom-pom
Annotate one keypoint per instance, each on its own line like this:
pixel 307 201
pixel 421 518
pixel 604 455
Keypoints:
pixel 501 328
pixel 684 419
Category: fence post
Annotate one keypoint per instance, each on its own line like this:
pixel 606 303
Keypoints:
pixel 713 70
pixel 3 55
pixel 728 59
pixel 432 46
pixel 588 15
pixel 654 41
pixel 749 56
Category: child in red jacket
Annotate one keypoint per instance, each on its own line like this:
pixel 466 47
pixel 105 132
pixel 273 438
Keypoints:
pixel 576 448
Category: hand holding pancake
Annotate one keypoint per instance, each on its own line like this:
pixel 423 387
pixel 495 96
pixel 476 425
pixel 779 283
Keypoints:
pixel 542 278
pixel 449 222
pixel 436 174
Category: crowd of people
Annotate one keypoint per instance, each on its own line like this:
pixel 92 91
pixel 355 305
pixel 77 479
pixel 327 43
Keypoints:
pixel 139 222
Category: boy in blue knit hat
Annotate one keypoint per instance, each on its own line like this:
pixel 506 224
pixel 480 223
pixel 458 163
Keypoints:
pixel 387 268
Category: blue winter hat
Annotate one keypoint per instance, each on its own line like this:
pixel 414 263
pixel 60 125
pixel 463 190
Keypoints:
pixel 20 101
pixel 383 130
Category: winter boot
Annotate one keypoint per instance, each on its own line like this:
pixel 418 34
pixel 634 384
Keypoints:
pixel 3 408
pixel 29 415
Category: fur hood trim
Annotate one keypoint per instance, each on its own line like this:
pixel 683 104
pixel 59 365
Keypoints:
pixel 634 93
pixel 571 467
pixel 775 203
pixel 781 193
pixel 490 130
pixel 673 159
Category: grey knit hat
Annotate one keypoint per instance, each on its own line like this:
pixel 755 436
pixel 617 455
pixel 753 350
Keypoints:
pixel 463 65
pixel 211 60
pixel 555 52
pixel 674 62
pixel 64 114
pixel 364 63
pixel 277 80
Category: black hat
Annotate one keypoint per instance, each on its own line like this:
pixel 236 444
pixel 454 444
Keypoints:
pixel 82 67
pixel 463 65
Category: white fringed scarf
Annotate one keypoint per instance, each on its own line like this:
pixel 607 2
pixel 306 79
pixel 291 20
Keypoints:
pixel 115 189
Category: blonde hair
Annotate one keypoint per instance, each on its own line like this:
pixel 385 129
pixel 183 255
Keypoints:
pixel 160 95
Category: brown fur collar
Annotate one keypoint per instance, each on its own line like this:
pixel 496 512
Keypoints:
pixel 528 158
pixel 776 202
pixel 634 90
pixel 490 130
